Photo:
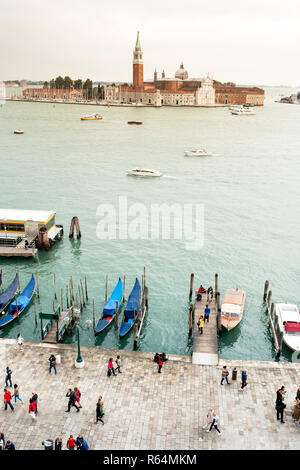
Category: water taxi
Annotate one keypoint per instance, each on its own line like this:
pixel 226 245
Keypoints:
pixel 18 131
pixel 197 153
pixel 92 117
pixel 143 172
pixel 289 324
pixel 135 122
pixel 232 308
pixel 242 111
pixel 18 226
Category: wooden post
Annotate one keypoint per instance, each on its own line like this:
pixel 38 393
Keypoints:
pixel 62 299
pixel 269 298
pixel 219 312
pixel 67 295
pixel 117 312
pixel 191 319
pixel 19 287
pixel 191 286
pixel 35 313
pixel 216 284
pixel 37 285
pixel 94 313
pixel 276 324
pixel 71 289
pixel 80 297
pixel 76 300
pixel 53 306
pixel 82 293
pixel 146 296
pixel 86 289
pixel 280 341
pixel 272 310
pixel 106 283
pixel 54 278
pixel 73 311
pixel 144 277
pixel 266 290
pixel 124 288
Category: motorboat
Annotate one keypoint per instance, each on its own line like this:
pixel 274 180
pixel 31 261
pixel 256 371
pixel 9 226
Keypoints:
pixel 135 122
pixel 289 324
pixel 143 172
pixel 232 308
pixel 18 131
pixel 197 153
pixel 92 117
pixel 243 111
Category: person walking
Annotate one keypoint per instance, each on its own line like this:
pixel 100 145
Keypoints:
pixel 2 441
pixel 8 377
pixel 10 446
pixel 297 398
pixel 77 442
pixel 32 409
pixel 118 364
pixel 279 405
pixel 7 400
pixel 110 367
pixel 58 444
pixel 72 400
pixel 160 364
pixel 225 374
pixel 99 410
pixel 206 313
pixel 20 341
pixel 35 399
pixel 214 424
pixel 16 394
pixel 208 418
pixel 71 443
pixel 200 324
pixel 244 379
pixel 78 395
pixel 52 360
pixel 83 444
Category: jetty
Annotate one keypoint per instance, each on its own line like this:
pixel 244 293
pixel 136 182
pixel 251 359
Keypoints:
pixel 57 324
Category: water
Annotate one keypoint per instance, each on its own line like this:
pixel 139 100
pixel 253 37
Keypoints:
pixel 249 189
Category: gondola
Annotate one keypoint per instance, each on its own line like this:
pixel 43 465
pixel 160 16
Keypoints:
pixel 131 310
pixel 8 294
pixel 19 305
pixel 110 308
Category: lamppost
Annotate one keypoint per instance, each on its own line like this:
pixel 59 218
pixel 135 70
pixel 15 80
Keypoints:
pixel 79 362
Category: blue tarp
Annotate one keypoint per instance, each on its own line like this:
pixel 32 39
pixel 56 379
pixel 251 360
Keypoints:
pixel 8 294
pixel 24 299
pixel 133 301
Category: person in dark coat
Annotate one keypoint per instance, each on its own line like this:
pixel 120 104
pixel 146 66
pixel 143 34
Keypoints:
pixel 280 406
pixel 58 444
pixel 72 400
pixel 244 379
pixel 9 446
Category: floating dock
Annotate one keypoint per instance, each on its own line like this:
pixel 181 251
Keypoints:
pixel 205 349
pixel 17 251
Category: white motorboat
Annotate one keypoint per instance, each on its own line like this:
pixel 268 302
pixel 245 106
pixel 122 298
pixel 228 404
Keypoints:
pixel 197 153
pixel 18 131
pixel 232 308
pixel 289 324
pixel 143 172
pixel 243 111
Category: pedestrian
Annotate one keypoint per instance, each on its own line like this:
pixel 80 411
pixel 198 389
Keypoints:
pixel 279 405
pixel 160 364
pixel 200 324
pixel 206 313
pixel 58 444
pixel 110 366
pixel 32 409
pixel 52 360
pixel 8 377
pixel 20 341
pixel 118 363
pixel 7 399
pixel 83 444
pixel 16 394
pixel 71 443
pixel 78 440
pixel 225 374
pixel 296 411
pixel 164 357
pixel 208 418
pixel 78 395
pixel 244 379
pixel 214 424
pixel 99 410
pixel 2 441
pixel 72 400
pixel 35 399
pixel 298 395
pixel 10 446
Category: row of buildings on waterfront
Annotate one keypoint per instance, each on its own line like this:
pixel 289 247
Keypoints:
pixel 179 90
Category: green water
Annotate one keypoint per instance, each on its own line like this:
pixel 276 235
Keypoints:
pixel 249 189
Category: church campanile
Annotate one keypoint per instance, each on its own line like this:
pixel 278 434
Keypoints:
pixel 138 73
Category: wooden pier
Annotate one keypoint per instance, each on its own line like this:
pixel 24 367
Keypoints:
pixel 57 325
pixel 205 348
pixel 13 251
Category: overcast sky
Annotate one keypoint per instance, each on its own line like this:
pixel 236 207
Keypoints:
pixel 244 41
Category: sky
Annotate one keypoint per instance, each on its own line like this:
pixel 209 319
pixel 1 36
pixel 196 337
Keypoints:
pixel 251 42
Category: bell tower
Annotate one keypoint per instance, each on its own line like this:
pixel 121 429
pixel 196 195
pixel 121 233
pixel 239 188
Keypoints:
pixel 138 73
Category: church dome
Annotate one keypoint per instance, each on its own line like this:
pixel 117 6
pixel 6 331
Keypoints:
pixel 181 73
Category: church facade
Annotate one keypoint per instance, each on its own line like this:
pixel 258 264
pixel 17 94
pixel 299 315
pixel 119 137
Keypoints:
pixel 178 91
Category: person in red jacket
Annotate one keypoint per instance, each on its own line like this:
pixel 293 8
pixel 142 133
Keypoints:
pixel 160 364
pixel 71 443
pixel 78 395
pixel 32 408
pixel 7 398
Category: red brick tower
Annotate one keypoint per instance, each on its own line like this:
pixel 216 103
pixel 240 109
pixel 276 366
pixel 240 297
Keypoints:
pixel 138 74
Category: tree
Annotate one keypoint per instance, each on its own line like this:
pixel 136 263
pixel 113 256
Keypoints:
pixel 46 85
pixel 52 83
pixel 88 86
pixel 78 84
pixel 59 82
pixel 68 83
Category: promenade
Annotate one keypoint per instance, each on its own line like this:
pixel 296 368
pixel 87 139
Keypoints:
pixel 144 409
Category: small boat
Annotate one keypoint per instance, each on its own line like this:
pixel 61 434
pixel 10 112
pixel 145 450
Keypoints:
pixel 8 294
pixel 19 305
pixel 92 117
pixel 143 172
pixel 18 131
pixel 131 309
pixel 243 111
pixel 232 308
pixel 289 324
pixel 110 308
pixel 135 122
pixel 197 153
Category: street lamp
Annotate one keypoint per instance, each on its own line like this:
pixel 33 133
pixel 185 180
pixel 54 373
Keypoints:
pixel 79 362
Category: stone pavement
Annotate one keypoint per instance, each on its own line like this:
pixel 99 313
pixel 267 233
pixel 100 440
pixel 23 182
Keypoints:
pixel 144 409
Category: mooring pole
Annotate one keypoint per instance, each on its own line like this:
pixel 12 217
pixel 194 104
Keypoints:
pixel 266 290
pixel 37 285
pixel 94 313
pixel 86 289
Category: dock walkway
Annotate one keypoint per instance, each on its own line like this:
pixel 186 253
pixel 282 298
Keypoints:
pixel 205 350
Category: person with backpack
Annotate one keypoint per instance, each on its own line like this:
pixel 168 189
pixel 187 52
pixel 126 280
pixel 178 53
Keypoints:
pixel 8 377
pixel 7 399
pixel 52 360
pixel 72 400
pixel 78 395
pixel 214 424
